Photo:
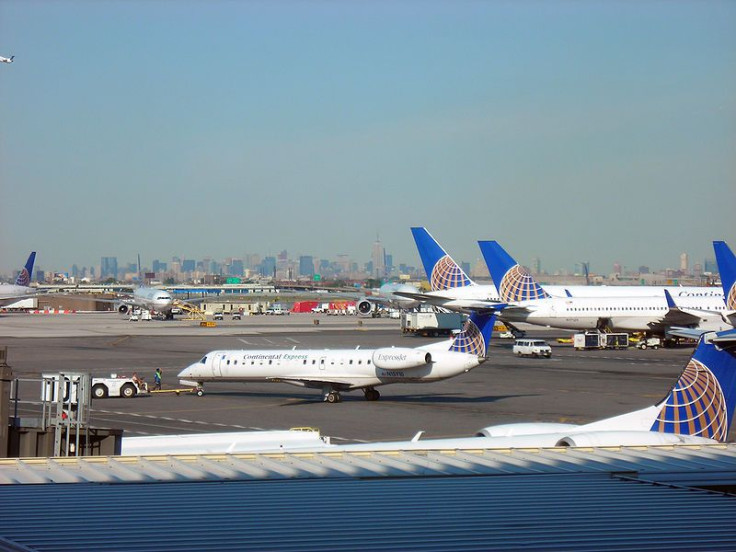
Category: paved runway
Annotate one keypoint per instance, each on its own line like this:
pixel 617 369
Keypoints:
pixel 572 386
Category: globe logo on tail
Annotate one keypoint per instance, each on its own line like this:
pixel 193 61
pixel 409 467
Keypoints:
pixel 470 340
pixel 696 405
pixel 23 278
pixel 447 275
pixel 731 299
pixel 518 285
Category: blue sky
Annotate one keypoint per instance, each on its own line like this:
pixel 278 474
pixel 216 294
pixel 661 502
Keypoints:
pixel 600 131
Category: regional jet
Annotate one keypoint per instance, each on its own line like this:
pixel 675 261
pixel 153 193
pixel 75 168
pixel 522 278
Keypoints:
pixel 335 371
pixel 697 410
pixel 7 60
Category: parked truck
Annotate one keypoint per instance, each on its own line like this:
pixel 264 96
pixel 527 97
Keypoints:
pixel 598 340
pixel 431 324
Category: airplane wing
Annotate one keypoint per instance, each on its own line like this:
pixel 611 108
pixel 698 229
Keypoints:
pixel 316 383
pixel 459 305
pixel 687 333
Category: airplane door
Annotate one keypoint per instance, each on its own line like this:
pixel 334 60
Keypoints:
pixel 217 363
pixel 322 362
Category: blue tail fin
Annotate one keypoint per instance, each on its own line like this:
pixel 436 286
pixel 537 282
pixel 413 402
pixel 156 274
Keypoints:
pixel 24 276
pixel 475 338
pixel 513 282
pixel 727 269
pixel 702 401
pixel 442 272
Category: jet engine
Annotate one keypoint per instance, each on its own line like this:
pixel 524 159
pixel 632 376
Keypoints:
pixel 400 358
pixel 123 308
pixel 516 430
pixel 628 439
pixel 365 307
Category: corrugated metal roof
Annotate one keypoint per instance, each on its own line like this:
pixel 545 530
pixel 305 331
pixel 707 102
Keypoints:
pixel 542 499
pixel 300 465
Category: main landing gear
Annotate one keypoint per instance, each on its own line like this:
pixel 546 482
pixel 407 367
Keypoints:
pixel 371 394
pixel 332 397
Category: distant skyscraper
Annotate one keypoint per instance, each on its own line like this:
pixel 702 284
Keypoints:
pixel 617 268
pixel 306 266
pixel 236 267
pixel 188 265
pixel 709 265
pixel 268 266
pixel 683 263
pixel 378 260
pixel 537 265
pixel 109 268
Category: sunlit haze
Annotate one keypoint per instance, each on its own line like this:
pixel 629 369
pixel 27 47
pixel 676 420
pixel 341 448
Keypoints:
pixel 568 131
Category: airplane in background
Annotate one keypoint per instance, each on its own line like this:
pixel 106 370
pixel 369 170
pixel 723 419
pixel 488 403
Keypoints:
pixel 448 281
pixel 528 302
pixel 7 60
pixel 727 269
pixel 386 297
pixel 11 293
pixel 338 370
pixel 152 299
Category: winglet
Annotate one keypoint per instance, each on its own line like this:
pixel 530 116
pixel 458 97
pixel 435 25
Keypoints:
pixel 513 282
pixel 670 302
pixel 702 401
pixel 475 337
pixel 24 276
pixel 727 269
pixel 442 271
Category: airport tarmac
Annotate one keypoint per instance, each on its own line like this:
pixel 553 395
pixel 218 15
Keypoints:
pixel 574 387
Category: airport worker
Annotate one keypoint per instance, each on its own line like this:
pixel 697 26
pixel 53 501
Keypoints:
pixel 157 379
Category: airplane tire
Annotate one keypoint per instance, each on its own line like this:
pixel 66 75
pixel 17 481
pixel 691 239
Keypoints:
pixel 200 392
pixel 332 398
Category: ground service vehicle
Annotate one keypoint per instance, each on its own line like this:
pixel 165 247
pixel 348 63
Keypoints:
pixel 117 386
pixel 532 347
pixel 598 340
pixel 218 316
pixel 431 324
pixel 651 342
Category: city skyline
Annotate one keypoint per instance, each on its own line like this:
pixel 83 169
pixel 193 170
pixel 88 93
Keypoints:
pixel 569 131
pixel 177 264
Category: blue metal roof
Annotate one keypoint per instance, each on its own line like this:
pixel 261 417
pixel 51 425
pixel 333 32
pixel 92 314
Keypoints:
pixel 554 499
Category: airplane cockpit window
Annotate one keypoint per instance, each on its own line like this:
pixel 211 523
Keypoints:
pixel 204 359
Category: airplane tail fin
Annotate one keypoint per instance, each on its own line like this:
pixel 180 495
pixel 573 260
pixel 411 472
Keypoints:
pixel 475 337
pixel 702 401
pixel 24 276
pixel 513 282
pixel 442 272
pixel 727 268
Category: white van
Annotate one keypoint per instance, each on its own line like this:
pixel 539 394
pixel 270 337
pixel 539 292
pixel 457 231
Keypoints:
pixel 532 347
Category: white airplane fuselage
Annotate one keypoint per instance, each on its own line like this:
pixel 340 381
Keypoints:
pixel 10 293
pixel 620 313
pixel 344 368
pixel 153 299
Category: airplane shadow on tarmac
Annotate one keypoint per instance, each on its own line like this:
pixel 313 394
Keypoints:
pixel 297 400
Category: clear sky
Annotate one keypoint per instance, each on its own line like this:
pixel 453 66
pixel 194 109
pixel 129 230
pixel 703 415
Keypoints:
pixel 600 131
